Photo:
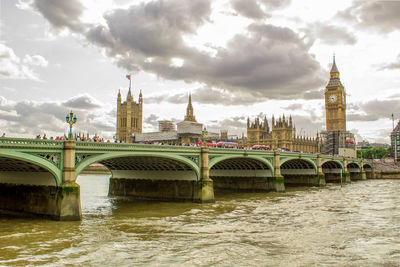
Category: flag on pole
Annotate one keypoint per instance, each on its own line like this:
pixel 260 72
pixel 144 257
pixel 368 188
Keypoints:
pixel 128 76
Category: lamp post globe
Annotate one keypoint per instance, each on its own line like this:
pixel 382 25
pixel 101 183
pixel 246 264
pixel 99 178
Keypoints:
pixel 71 120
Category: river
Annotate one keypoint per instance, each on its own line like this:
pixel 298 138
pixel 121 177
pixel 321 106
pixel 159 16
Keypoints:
pixel 354 225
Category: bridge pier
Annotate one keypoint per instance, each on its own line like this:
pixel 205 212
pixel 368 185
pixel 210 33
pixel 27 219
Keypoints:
pixel 165 188
pixel 320 174
pixel 38 194
pixel 279 180
pixel 204 189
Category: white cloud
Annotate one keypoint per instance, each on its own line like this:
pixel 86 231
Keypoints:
pixel 12 67
pixel 35 60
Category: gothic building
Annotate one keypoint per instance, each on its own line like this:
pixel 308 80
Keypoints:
pixel 281 134
pixel 129 117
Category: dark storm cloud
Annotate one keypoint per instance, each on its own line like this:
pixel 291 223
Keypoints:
pixel 249 8
pixel 81 102
pixel 382 16
pixel 391 66
pixel 330 34
pixel 254 8
pixel 267 61
pixel 154 29
pixel 375 110
pixel 61 14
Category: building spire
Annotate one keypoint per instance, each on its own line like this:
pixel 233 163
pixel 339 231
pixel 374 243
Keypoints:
pixel 189 110
pixel 334 68
pixel 129 96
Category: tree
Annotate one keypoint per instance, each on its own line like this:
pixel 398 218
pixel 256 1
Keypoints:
pixel 374 153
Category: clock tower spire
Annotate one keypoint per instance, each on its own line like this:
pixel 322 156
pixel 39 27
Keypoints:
pixel 335 101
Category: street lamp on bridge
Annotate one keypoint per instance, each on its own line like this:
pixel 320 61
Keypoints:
pixel 71 120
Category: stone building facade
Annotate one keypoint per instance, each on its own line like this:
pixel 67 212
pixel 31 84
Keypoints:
pixel 129 117
pixel 395 142
pixel 281 134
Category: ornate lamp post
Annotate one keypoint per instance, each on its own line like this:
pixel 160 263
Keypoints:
pixel 71 120
pixel 204 134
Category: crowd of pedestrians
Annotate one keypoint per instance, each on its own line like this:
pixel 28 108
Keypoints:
pixel 77 137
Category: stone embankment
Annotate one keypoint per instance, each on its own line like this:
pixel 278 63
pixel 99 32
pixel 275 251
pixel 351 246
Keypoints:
pixel 387 170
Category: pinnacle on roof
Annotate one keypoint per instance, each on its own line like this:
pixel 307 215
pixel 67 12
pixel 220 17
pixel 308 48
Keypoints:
pixel 334 68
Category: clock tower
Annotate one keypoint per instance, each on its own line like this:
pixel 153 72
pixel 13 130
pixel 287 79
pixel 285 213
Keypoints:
pixel 335 102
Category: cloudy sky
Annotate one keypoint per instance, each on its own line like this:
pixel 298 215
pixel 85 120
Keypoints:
pixel 238 59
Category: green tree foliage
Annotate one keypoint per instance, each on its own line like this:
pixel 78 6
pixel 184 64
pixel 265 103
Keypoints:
pixel 374 153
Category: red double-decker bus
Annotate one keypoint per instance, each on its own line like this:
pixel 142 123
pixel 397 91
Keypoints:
pixel 226 145
pixel 260 147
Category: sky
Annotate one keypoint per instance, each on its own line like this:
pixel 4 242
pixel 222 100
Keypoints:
pixel 238 58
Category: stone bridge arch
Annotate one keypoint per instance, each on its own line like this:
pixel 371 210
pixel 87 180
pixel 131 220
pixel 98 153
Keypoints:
pixel 299 171
pixel 298 164
pixel 333 170
pixel 23 168
pixel 248 158
pixel 150 175
pixel 368 168
pixel 242 173
pixel 109 160
pixel 353 167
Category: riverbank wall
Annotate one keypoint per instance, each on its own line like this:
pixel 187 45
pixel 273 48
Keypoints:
pixel 387 170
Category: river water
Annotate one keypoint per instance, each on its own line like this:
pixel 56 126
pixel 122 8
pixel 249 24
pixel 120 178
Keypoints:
pixel 354 225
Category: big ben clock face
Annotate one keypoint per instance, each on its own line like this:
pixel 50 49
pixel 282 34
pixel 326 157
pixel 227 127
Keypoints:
pixel 332 98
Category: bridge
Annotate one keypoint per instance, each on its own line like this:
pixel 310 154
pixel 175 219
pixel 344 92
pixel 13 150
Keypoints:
pixel 39 176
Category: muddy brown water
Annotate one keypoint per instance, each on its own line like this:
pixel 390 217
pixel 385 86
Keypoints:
pixel 354 225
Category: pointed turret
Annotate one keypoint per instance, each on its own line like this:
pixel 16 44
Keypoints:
pixel 129 97
pixel 334 73
pixel 189 111
pixel 140 97
pixel 334 68
pixel 119 97
pixel 273 121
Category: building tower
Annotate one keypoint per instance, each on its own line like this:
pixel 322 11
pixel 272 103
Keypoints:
pixel 129 116
pixel 335 102
pixel 189 111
